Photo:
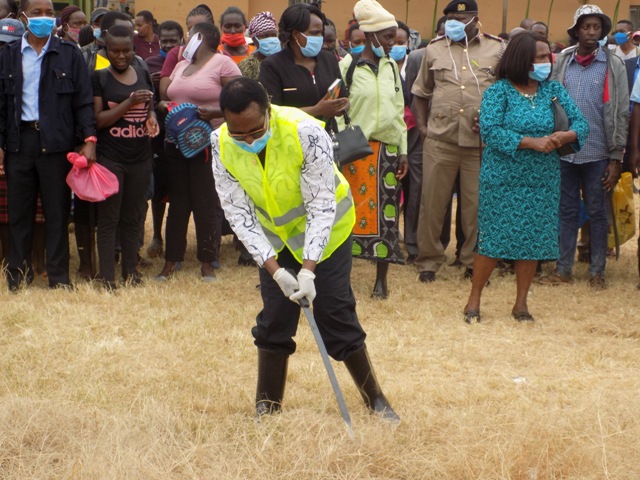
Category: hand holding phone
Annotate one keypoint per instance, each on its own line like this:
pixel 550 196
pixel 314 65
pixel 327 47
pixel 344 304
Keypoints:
pixel 333 91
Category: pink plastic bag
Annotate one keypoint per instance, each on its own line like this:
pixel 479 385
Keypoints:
pixel 93 183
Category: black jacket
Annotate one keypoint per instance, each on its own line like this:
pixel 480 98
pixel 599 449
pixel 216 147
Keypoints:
pixel 66 99
pixel 292 85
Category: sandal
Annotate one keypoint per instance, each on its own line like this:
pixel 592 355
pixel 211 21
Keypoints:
pixel 207 273
pixel 167 272
pixel 472 316
pixel 555 278
pixel 523 316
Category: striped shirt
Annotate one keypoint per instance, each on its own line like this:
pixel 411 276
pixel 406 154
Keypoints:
pixel 586 87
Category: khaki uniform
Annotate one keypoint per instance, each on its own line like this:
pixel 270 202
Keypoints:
pixel 454 84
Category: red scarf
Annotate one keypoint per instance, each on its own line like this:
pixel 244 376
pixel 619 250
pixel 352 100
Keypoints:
pixel 587 59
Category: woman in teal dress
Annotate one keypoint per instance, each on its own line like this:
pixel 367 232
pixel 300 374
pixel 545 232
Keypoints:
pixel 519 194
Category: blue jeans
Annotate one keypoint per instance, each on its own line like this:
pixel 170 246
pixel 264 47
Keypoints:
pixel 589 176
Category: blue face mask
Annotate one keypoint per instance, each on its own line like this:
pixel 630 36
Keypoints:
pixel 540 71
pixel 398 52
pixel 97 32
pixel 258 144
pixel 621 38
pixel 41 27
pixel 313 46
pixel 357 50
pixel 163 54
pixel 454 29
pixel 379 50
pixel 603 42
pixel 269 46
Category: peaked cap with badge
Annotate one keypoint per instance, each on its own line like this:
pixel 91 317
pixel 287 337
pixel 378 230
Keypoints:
pixel 461 6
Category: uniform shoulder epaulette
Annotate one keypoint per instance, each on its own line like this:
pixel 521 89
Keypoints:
pixel 492 37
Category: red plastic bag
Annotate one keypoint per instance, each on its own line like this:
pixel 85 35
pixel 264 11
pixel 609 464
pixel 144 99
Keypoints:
pixel 93 183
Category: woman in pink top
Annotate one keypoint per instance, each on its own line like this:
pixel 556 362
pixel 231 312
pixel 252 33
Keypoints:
pixel 198 79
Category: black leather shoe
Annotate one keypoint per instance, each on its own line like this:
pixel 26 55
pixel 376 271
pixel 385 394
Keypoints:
pixel 246 260
pixel 456 263
pixel 427 277
pixel 468 275
pixel 133 280
pixel 14 285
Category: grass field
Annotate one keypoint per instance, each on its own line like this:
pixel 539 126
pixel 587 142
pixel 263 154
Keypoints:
pixel 158 382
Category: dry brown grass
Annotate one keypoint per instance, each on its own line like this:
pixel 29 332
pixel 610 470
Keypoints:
pixel 158 383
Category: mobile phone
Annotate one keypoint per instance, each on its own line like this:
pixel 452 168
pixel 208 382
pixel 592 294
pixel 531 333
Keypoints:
pixel 333 91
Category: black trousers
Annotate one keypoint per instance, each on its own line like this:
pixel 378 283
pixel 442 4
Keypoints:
pixel 122 214
pixel 160 174
pixel 334 307
pixel 30 171
pixel 192 189
pixel 412 186
pixel 84 213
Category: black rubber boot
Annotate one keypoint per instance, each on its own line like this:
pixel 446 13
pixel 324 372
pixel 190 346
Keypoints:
pixel 272 377
pixel 359 366
pixel 380 289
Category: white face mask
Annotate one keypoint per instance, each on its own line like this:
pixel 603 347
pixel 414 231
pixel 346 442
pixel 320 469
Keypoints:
pixel 192 47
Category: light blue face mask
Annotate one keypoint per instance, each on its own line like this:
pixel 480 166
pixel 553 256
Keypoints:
pixel 41 27
pixel 454 29
pixel 258 144
pixel 541 71
pixel 357 50
pixel 313 46
pixel 603 42
pixel 398 52
pixel 379 50
pixel 97 32
pixel 269 46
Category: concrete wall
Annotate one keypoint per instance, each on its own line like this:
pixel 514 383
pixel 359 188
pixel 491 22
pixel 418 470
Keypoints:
pixel 420 12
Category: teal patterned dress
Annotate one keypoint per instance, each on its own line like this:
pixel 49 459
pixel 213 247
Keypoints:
pixel 519 194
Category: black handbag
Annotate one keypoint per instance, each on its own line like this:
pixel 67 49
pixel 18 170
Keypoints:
pixel 350 144
pixel 561 124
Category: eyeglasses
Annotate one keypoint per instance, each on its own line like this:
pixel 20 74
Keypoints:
pixel 255 133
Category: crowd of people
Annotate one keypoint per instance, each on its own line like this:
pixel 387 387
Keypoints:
pixel 466 115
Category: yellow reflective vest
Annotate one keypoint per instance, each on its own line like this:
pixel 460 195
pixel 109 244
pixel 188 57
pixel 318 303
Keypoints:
pixel 275 187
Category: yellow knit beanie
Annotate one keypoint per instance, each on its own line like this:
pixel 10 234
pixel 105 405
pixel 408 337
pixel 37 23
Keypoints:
pixel 372 17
